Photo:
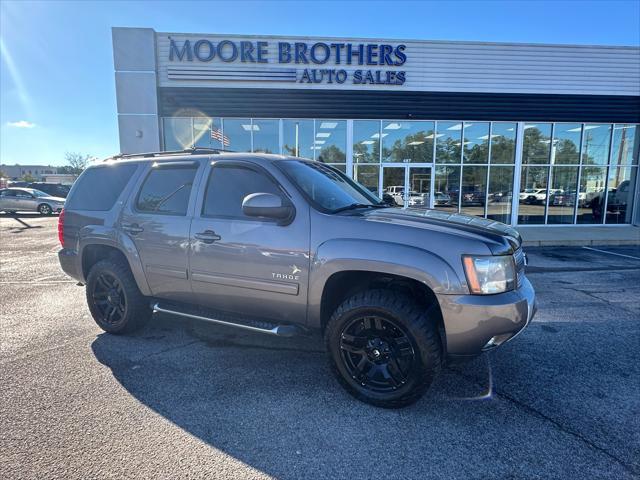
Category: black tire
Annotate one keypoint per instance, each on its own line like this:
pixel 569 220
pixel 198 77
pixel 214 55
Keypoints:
pixel 44 209
pixel 383 329
pixel 115 302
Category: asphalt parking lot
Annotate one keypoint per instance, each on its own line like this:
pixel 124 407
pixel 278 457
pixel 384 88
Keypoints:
pixel 183 399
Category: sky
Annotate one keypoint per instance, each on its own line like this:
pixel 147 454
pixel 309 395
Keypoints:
pixel 57 88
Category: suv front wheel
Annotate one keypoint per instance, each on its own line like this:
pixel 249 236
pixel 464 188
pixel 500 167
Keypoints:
pixel 115 302
pixel 384 348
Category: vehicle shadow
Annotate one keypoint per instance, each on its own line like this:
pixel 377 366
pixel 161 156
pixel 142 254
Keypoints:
pixel 22 224
pixel 274 405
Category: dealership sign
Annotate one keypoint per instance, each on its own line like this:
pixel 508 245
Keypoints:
pixel 328 63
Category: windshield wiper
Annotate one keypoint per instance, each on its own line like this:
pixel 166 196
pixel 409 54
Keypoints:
pixel 354 206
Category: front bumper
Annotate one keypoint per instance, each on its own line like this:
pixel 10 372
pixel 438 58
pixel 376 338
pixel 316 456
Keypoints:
pixel 476 323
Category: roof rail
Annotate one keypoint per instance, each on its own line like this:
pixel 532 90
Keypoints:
pixel 188 151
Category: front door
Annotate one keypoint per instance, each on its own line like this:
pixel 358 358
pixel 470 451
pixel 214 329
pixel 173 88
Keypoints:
pixel 254 267
pixel 408 185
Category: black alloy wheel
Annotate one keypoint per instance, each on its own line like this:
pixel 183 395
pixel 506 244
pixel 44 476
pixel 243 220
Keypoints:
pixel 377 353
pixel 109 298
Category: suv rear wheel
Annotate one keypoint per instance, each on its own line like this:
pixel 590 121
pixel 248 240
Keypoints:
pixel 384 348
pixel 115 302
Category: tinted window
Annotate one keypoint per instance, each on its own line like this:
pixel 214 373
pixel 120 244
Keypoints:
pixel 8 193
pixel 166 191
pixel 228 186
pixel 97 189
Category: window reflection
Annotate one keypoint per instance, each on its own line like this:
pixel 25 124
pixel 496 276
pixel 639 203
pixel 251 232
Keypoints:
pixel 620 195
pixel 298 138
pixel 533 194
pixel 238 133
pixel 266 136
pixel 177 133
pixel 207 132
pixel 330 142
pixel 590 195
pixel 367 176
pixel 596 144
pixel 503 142
pixel 562 194
pixel 366 141
pixel 447 188
pixel 500 194
pixel 407 141
pixel 537 140
pixel 474 190
pixel 625 145
pixel 476 142
pixel 565 148
pixel 448 142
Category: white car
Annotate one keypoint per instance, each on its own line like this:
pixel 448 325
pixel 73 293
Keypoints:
pixel 537 195
pixel 29 200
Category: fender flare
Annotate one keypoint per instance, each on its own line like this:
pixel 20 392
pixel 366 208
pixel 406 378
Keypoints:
pixel 110 237
pixel 342 255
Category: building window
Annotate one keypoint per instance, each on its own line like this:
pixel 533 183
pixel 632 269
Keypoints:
pixel 178 133
pixel 366 142
pixel 266 136
pixel 238 133
pixel 298 138
pixel 407 141
pixel 330 142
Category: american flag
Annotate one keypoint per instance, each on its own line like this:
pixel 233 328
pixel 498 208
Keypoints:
pixel 217 135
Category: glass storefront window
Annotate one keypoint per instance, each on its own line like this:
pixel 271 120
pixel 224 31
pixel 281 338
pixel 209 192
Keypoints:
pixel 448 142
pixel 238 133
pixel 266 136
pixel 475 142
pixel 565 148
pixel 474 190
pixel 447 188
pixel 298 138
pixel 625 145
pixel 207 133
pixel 366 141
pixel 330 143
pixel 562 194
pixel 500 194
pixel 591 194
pixel 367 176
pixel 533 194
pixel 177 133
pixel 407 141
pixel 620 194
pixel 537 140
pixel 503 142
pixel 596 144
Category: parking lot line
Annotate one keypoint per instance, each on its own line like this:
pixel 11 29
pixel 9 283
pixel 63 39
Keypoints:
pixel 611 253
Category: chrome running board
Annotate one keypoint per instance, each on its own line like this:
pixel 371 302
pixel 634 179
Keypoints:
pixel 260 327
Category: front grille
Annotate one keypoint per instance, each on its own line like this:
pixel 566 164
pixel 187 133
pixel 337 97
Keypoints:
pixel 520 261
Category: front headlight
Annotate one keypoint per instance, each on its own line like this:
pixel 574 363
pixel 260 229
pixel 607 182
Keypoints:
pixel 489 275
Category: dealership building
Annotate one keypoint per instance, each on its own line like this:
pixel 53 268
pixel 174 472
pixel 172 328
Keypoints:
pixel 526 134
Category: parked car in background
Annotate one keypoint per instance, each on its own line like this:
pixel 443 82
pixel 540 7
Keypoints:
pixel 441 199
pixel 561 198
pixel 29 200
pixel 53 189
pixel 537 195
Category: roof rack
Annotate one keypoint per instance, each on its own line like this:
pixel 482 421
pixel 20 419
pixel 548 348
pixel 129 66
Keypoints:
pixel 188 151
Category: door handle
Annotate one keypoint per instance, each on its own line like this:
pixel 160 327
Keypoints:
pixel 133 228
pixel 208 236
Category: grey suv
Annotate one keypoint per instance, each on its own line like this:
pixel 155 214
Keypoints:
pixel 283 246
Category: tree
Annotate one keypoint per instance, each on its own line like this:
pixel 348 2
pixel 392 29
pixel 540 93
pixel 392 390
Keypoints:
pixel 27 177
pixel 76 162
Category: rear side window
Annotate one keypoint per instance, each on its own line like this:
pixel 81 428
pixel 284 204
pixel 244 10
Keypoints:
pixel 227 187
pixel 166 191
pixel 98 188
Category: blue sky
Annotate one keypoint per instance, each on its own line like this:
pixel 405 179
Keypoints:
pixel 57 90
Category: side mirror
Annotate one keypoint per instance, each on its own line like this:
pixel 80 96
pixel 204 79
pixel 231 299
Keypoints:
pixel 266 205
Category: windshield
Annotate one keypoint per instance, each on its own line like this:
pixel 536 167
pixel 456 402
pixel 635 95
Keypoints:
pixel 326 188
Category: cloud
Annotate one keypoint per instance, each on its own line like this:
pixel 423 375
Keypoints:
pixel 21 124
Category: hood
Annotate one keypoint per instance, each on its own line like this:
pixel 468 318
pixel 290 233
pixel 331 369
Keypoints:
pixel 502 238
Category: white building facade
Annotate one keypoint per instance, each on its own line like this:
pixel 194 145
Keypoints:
pixel 523 134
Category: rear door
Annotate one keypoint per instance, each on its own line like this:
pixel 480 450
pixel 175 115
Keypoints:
pixel 247 265
pixel 8 200
pixel 26 201
pixel 157 218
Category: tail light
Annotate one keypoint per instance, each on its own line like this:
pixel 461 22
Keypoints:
pixel 61 228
